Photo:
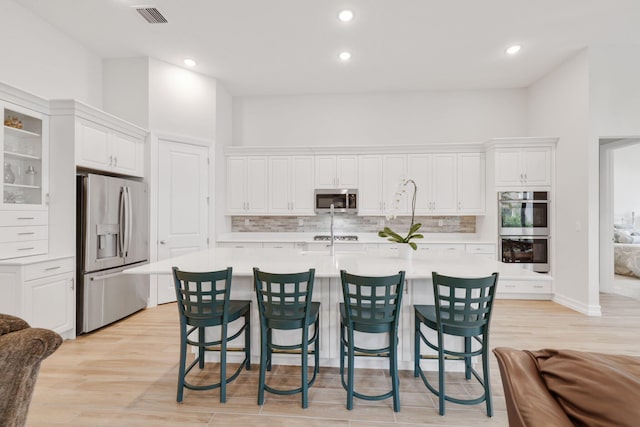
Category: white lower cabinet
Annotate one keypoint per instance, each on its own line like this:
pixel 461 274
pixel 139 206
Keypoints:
pixel 524 289
pixel 23 233
pixel 484 250
pixel 41 292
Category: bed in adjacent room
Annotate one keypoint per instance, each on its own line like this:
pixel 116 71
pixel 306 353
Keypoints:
pixel 626 251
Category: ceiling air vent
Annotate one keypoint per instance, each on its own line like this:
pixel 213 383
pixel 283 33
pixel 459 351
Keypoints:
pixel 151 14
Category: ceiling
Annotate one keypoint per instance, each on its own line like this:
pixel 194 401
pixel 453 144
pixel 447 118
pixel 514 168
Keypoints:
pixel 281 47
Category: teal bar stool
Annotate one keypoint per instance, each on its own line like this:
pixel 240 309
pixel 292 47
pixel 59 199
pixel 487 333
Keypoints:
pixel 462 308
pixel 371 305
pixel 284 303
pixel 203 302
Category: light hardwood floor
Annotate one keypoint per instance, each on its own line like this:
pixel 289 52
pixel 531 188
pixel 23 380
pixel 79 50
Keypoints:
pixel 125 375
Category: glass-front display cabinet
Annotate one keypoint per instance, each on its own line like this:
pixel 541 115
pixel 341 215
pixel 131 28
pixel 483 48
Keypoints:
pixel 24 150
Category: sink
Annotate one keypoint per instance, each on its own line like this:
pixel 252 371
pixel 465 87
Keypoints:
pixel 342 238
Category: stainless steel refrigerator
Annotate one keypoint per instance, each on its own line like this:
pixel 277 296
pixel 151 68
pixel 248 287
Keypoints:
pixel 113 235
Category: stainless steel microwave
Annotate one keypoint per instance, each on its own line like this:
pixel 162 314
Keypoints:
pixel 343 200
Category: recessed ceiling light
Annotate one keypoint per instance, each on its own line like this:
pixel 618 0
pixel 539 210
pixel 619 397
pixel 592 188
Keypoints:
pixel 189 62
pixel 344 56
pixel 345 15
pixel 512 50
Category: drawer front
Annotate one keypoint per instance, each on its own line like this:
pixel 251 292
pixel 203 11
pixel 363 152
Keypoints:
pixel 481 249
pixel 20 249
pixel 524 287
pixel 278 245
pixel 22 218
pixel 23 234
pixel 240 245
pixel 48 268
pixel 441 247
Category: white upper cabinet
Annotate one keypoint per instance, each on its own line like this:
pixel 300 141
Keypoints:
pixel 471 183
pixel 24 147
pixel 291 185
pixel 102 142
pixel 380 177
pixel 101 148
pixel 445 183
pixel 448 183
pixel 524 166
pixel 247 185
pixel 336 171
pixel 435 176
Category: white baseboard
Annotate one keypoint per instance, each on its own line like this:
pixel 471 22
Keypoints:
pixel 589 310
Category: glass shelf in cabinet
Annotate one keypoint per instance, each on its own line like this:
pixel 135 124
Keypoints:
pixel 6 184
pixel 21 155
pixel 21 132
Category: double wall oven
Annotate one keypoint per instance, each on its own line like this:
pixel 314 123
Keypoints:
pixel 524 230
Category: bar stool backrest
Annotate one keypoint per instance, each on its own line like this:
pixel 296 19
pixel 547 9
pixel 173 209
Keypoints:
pixel 284 297
pixel 203 296
pixel 372 303
pixel 463 305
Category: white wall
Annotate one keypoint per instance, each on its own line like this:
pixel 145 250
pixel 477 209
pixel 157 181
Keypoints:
pixel 615 91
pixel 626 180
pixel 379 118
pixel 181 102
pixel 40 59
pixel 558 105
pixel 125 87
pixel 224 124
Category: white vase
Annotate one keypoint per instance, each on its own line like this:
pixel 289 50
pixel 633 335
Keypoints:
pixel 405 251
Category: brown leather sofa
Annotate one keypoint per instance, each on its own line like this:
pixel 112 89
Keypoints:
pixel 557 388
pixel 22 350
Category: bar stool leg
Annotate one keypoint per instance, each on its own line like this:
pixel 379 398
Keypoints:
pixel 304 365
pixel 223 365
pixel 181 368
pixel 395 381
pixel 247 339
pixel 201 348
pixel 441 393
pixel 416 348
pixel 263 365
pixel 485 374
pixel 467 359
pixel 350 371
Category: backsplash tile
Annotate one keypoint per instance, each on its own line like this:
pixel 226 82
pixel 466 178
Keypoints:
pixel 352 223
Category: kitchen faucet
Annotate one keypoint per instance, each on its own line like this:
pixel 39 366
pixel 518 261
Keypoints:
pixel 333 248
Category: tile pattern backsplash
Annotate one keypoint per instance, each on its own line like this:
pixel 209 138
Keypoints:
pixel 351 224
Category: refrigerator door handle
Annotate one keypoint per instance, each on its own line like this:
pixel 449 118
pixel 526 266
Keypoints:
pixel 105 277
pixel 129 221
pixel 121 222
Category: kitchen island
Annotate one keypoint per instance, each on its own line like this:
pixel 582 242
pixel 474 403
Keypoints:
pixel 327 289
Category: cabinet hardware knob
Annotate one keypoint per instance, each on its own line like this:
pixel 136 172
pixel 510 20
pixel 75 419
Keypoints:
pixel 52 268
pixel 24 234
pixel 162 242
pixel 26 249
pixel 26 217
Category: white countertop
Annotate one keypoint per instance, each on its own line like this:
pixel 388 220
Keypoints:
pixel 307 237
pixel 27 260
pixel 371 262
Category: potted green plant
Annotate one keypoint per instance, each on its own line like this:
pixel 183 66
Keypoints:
pixel 391 235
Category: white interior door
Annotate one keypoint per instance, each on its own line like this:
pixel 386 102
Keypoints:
pixel 183 178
